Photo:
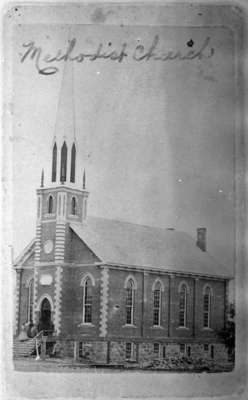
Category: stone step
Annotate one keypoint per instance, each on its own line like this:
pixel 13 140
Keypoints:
pixel 25 348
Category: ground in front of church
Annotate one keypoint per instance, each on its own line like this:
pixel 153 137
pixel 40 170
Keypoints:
pixel 29 364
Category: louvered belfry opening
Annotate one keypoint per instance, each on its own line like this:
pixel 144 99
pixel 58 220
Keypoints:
pixel 63 166
pixel 73 163
pixel 54 163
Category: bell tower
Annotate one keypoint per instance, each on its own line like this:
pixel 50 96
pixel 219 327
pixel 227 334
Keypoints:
pixel 62 199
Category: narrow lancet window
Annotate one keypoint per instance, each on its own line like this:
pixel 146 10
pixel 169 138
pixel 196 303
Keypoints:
pixel 183 306
pixel 130 302
pixel 63 167
pixel 157 304
pixel 206 307
pixel 87 301
pixel 73 206
pixel 73 163
pixel 50 205
pixel 54 163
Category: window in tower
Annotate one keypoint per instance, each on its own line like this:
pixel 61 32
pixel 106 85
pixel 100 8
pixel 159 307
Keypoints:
pixel 73 163
pixel 50 204
pixel 73 206
pixel 63 166
pixel 54 163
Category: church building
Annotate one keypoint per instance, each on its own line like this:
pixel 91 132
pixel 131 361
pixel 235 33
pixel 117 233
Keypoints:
pixel 108 291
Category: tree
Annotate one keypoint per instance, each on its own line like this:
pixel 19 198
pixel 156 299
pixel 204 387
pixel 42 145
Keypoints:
pixel 228 333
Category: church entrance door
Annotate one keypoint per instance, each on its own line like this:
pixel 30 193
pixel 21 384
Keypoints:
pixel 45 322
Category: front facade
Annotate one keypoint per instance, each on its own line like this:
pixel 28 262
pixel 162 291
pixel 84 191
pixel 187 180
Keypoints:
pixel 109 291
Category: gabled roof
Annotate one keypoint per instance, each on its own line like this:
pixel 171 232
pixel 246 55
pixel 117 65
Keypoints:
pixel 25 254
pixel 124 243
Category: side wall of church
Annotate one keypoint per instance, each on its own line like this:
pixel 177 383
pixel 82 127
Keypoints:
pixel 71 303
pixel 143 306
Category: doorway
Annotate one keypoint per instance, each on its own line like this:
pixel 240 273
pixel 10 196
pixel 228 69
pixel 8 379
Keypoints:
pixel 45 322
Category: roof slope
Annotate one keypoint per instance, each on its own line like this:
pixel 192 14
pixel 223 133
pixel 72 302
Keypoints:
pixel 125 243
pixel 27 252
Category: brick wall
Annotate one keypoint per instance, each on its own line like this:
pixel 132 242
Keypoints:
pixel 117 304
pixel 72 299
pixel 194 328
pixel 46 289
pixel 217 308
pixel 26 275
pixel 175 330
pixel 72 302
pixel 149 329
pixel 47 232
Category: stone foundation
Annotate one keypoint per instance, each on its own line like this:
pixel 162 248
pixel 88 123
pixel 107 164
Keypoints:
pixel 94 352
pixel 143 353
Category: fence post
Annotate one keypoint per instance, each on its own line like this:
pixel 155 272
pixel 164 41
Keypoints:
pixel 108 351
pixel 76 349
pixel 43 348
pixel 137 352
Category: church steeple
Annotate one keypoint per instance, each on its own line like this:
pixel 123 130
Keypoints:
pixel 61 202
pixel 64 148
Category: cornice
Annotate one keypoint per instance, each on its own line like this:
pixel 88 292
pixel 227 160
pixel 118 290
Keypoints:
pixel 167 271
pixel 61 188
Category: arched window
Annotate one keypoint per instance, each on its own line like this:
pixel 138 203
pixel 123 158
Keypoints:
pixel 50 205
pixel 183 306
pixel 30 300
pixel 130 302
pixel 73 163
pixel 73 206
pixel 206 307
pixel 54 163
pixel 87 301
pixel 63 166
pixel 157 304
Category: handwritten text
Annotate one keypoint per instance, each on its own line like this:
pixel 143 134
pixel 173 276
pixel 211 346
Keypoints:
pixel 106 52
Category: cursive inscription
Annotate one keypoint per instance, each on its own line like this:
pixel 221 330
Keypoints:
pixel 139 53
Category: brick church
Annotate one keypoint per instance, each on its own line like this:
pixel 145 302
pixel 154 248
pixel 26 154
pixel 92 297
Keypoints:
pixel 111 291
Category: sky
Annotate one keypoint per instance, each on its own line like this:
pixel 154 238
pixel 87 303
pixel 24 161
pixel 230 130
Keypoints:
pixel 156 137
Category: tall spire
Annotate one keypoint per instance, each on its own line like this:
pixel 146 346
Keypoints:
pixel 64 141
pixel 65 117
